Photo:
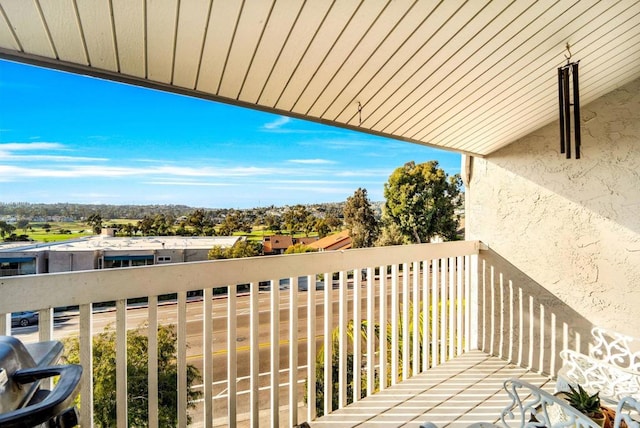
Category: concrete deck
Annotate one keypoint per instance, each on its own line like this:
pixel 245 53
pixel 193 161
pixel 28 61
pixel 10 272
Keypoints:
pixel 465 390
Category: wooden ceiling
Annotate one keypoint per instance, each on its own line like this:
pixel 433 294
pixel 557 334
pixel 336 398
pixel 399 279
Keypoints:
pixel 470 76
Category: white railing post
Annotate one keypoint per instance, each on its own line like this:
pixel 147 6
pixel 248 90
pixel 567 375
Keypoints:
pixel 311 347
pixel 182 359
pixel 426 322
pixel 207 358
pixel 254 321
pixel 472 302
pixel 232 360
pixel 275 353
pixel 406 341
pixel 416 319
pixel 328 343
pixel 395 324
pixel 370 331
pixel 86 359
pixel 121 363
pixel 342 342
pixel 153 361
pixel 357 348
pixel 293 351
pixel 383 328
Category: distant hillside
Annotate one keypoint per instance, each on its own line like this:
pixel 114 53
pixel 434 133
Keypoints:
pixel 79 212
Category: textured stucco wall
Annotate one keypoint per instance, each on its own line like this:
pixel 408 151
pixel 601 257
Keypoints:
pixel 570 227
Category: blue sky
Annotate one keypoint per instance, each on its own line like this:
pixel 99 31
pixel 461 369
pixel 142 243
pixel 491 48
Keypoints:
pixel 69 138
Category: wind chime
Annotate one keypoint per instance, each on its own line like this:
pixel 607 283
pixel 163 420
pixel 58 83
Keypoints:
pixel 564 98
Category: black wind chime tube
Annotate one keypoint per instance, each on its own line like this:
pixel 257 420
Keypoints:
pixel 567 110
pixel 576 107
pixel 561 108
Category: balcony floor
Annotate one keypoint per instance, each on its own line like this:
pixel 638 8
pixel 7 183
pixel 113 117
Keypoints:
pixel 465 390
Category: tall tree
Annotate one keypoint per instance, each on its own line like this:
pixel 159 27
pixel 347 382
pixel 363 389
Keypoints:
pixel 104 376
pixel 360 219
pixel 421 200
pixel 95 221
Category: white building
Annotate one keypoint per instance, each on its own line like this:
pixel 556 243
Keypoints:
pixel 103 252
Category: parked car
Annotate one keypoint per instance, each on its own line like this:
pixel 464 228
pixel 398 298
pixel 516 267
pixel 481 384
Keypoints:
pixel 23 319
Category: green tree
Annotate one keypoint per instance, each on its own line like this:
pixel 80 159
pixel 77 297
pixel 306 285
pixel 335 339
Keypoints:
pixel 6 229
pixel 390 234
pixel 46 227
pixel 299 248
pixel 199 220
pixel 294 218
pixel 421 200
pixel 104 376
pixel 239 250
pixel 95 221
pixel 322 228
pixel 360 219
pixel 23 223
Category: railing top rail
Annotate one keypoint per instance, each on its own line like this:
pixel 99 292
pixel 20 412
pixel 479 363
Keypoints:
pixel 34 292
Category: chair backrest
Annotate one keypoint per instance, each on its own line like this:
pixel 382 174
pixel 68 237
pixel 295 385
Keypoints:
pixel 533 407
pixel 615 349
pixel 626 404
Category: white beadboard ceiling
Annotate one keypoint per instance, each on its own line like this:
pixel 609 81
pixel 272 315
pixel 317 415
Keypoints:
pixel 470 76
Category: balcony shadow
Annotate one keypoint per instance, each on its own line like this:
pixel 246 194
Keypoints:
pixel 521 321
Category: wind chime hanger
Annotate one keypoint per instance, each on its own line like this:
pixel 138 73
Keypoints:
pixel 564 103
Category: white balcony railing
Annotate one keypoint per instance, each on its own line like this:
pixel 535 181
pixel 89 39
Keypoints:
pixel 420 304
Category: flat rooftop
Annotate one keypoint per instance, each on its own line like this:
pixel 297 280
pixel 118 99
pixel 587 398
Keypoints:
pixel 107 243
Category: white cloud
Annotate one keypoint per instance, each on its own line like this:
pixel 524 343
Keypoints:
pixel 277 123
pixel 14 147
pixel 312 161
pixel 188 183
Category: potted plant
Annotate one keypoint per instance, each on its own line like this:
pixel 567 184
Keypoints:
pixel 589 404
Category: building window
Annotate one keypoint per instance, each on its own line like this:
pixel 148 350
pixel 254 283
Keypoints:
pixel 164 259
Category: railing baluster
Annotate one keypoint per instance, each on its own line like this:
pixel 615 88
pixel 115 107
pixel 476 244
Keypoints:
pixel 207 351
pixel 232 361
pixel 383 328
pixel 501 334
pixel 452 308
pixel 182 359
pixel 45 333
pixel 459 305
pixel 275 353
pixel 152 345
pixel 511 321
pixel 492 313
pixel 435 317
pixel 293 351
pixel 395 325
pixel 311 347
pixel 121 362
pixel 416 319
pixel 5 324
pixel 370 331
pixel 342 342
pixel 357 336
pixel 85 336
pixel 406 341
pixel 254 320
pixel 328 343
pixel 443 310
pixel 426 304
pixel 468 303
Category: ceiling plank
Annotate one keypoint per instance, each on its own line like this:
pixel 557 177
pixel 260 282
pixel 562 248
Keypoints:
pixel 25 19
pixel 97 27
pixel 251 26
pixel 305 28
pixel 193 18
pixel 162 19
pixel 62 21
pixel 276 34
pixel 130 24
